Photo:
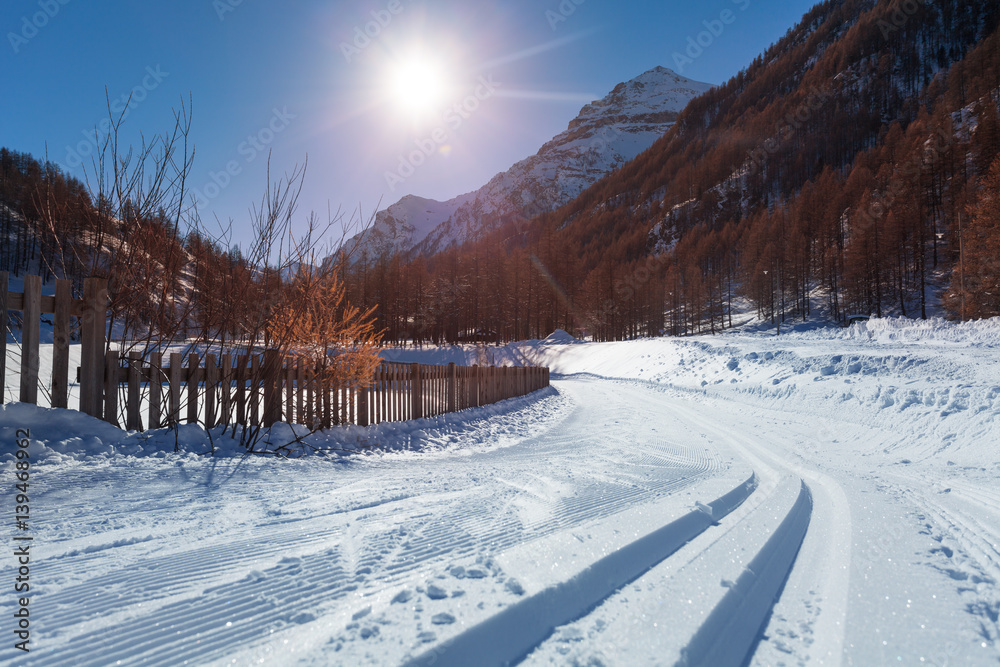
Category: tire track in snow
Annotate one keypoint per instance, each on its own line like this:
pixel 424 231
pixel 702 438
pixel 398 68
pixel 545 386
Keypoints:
pixel 706 604
pixel 459 531
pixel 508 636
pixel 730 633
pixel 162 608
pixel 982 498
pixel 824 562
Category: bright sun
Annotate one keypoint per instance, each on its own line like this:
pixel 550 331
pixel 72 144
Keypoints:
pixel 418 86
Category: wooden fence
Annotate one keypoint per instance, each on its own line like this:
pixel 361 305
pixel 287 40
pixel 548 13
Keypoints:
pixel 264 389
pixel 250 389
pixel 91 315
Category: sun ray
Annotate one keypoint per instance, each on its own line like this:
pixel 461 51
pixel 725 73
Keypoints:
pixel 537 49
pixel 545 96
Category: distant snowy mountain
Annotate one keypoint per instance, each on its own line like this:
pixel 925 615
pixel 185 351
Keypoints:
pixel 606 134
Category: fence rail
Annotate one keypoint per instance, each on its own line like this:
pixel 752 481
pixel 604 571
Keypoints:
pixel 250 389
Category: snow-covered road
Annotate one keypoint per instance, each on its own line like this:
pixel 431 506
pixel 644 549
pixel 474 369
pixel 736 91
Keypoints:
pixel 160 562
pixel 807 500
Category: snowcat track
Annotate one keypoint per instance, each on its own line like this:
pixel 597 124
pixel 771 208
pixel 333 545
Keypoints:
pixel 510 635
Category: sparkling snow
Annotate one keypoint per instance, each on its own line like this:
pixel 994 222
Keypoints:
pixel 878 443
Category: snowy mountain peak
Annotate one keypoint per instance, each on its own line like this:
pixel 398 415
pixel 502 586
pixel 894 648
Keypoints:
pixel 660 92
pixel 605 134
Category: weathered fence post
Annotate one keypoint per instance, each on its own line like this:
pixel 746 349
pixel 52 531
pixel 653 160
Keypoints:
pixel 226 378
pixel 415 392
pixel 211 387
pixel 300 381
pixel 310 398
pixel 340 403
pixel 254 390
pixel 132 420
pixel 363 393
pixel 111 381
pixel 375 396
pixel 290 413
pixel 401 399
pixel 349 395
pixel 328 397
pixel 92 320
pixel 60 343
pixel 490 372
pixel 386 389
pixel 388 394
pixel 155 389
pixel 452 387
pixel 466 373
pixel 241 389
pixel 30 334
pixel 176 378
pixel 272 387
pixel 397 392
pixel 475 386
pixel 192 384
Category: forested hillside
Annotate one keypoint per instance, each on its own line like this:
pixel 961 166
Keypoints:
pixel 827 178
pixel 172 282
pixel 166 275
pixel 845 170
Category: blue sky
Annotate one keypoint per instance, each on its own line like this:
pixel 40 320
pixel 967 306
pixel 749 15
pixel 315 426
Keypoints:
pixel 319 79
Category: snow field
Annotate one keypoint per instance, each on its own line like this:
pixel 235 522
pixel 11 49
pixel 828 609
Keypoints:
pixel 144 553
pixel 507 636
pixel 872 536
pixel 891 570
pixel 706 604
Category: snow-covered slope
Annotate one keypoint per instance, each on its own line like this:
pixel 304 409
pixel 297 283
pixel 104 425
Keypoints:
pixel 606 134
pixel 823 497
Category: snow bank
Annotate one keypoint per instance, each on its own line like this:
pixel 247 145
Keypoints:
pixel 933 383
pixel 62 435
pixel 981 333
pixel 932 387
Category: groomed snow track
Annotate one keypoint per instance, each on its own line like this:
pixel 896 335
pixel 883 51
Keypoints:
pixel 730 632
pixel 455 557
pixel 512 633
pixel 726 637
